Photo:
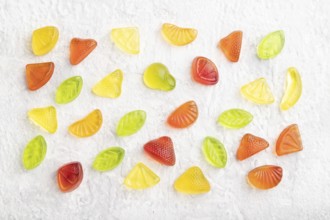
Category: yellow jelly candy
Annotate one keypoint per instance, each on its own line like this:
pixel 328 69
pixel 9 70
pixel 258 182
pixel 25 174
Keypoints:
pixel 271 45
pixel 87 126
pixel 127 39
pixel 157 77
pixel 192 181
pixel 178 36
pixel 45 118
pixel 44 40
pixel 109 86
pixel 293 89
pixel 258 92
pixel 141 177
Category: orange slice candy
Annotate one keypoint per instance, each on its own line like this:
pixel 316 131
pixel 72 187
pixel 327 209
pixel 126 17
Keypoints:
pixel 184 116
pixel 80 49
pixel 265 177
pixel 250 145
pixel 289 141
pixel 231 45
pixel 38 74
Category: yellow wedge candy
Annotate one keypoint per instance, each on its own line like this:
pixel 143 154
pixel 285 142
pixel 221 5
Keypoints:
pixel 44 40
pixel 258 92
pixel 178 36
pixel 127 39
pixel 109 86
pixel 45 118
pixel 293 89
pixel 87 126
pixel 141 177
pixel 192 181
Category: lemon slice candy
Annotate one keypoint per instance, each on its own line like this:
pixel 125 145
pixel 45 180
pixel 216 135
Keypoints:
pixel 127 39
pixel 45 118
pixel 178 36
pixel 258 92
pixel 109 86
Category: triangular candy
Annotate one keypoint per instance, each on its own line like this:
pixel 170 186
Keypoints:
pixel 141 177
pixel 184 116
pixel 69 176
pixel 38 74
pixel 250 145
pixel 162 150
pixel 289 141
pixel 231 45
pixel 258 92
pixel 45 118
pixel 80 49
pixel 109 86
pixel 127 39
pixel 192 181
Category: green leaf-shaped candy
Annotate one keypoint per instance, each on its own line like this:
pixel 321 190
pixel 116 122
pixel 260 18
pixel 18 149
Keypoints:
pixel 131 123
pixel 214 152
pixel 157 77
pixel 271 45
pixel 69 90
pixel 235 118
pixel 109 159
pixel 34 152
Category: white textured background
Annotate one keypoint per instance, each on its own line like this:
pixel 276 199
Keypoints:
pixel 304 192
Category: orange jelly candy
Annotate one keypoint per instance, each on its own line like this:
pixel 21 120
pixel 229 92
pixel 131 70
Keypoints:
pixel 204 71
pixel 250 145
pixel 38 74
pixel 80 49
pixel 289 141
pixel 265 177
pixel 69 176
pixel 231 45
pixel 184 116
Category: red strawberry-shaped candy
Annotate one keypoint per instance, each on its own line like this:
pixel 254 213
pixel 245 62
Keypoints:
pixel 162 150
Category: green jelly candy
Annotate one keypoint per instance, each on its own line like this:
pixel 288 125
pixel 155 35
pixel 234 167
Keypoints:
pixel 214 152
pixel 34 152
pixel 235 118
pixel 271 45
pixel 131 123
pixel 109 159
pixel 157 77
pixel 69 90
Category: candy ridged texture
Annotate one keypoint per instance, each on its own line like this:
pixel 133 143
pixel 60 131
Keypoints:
pixel 214 152
pixel 162 150
pixel 250 145
pixel 109 86
pixel 141 177
pixel 109 159
pixel 178 36
pixel 126 39
pixel 265 177
pixel 34 152
pixel 44 40
pixel 38 74
pixel 289 141
pixel 271 45
pixel 184 116
pixel 231 45
pixel 87 126
pixel 131 123
pixel 69 90
pixel 80 49
pixel 46 118
pixel 235 118
pixel 204 71
pixel 69 176
pixel 258 92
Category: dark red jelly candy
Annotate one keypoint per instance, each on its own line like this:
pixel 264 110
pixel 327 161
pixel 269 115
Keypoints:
pixel 204 71
pixel 69 176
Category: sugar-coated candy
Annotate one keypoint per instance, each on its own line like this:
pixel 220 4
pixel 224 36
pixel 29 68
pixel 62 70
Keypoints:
pixel 293 89
pixel 69 176
pixel 38 74
pixel 271 45
pixel 183 116
pixel 131 123
pixel 192 181
pixel 45 117
pixel 87 126
pixel 80 49
pixel 158 77
pixel 178 36
pixel 34 152
pixel 231 45
pixel 204 71
pixel 162 150
pixel 258 92
pixel 109 86
pixel 265 177
pixel 127 39
pixel 44 40
pixel 235 118
pixel 214 152
pixel 141 177
pixel 250 145
pixel 69 90
pixel 109 159
pixel 289 141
